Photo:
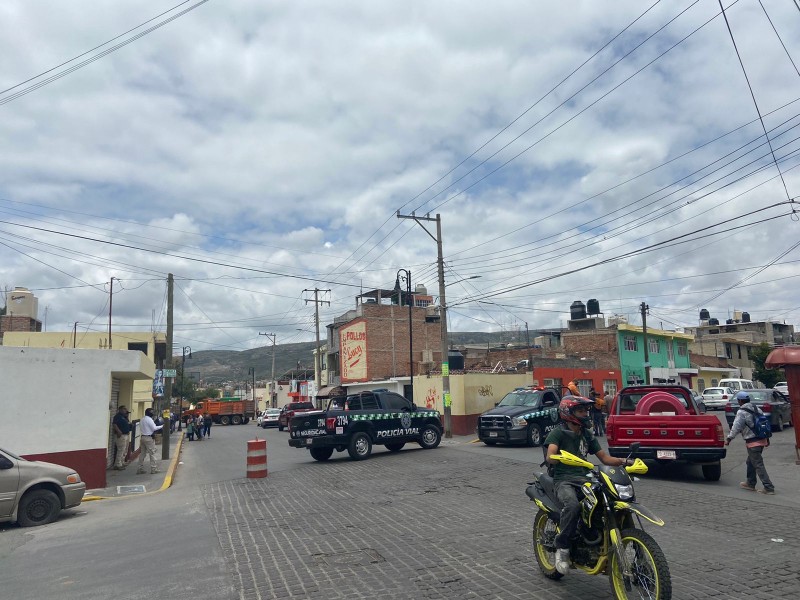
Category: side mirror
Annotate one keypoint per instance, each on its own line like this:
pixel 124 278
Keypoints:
pixel 413 406
pixel 5 463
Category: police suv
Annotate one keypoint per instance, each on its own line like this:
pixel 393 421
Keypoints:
pixel 523 416
pixel 356 423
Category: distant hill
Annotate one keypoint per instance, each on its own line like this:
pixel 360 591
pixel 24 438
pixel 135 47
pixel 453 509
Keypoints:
pixel 218 366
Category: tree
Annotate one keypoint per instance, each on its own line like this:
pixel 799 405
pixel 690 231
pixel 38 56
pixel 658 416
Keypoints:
pixel 210 392
pixel 769 377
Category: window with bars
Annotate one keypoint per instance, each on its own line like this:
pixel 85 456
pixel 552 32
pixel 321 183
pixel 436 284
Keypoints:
pixel 584 385
pixel 701 384
pixel 653 346
pixel 683 349
pixel 630 343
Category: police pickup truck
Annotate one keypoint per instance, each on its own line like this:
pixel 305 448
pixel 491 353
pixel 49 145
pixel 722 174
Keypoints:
pixel 523 416
pixel 355 423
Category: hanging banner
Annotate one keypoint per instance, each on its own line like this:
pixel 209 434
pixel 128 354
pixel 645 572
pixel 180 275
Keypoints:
pixel 158 384
pixel 445 369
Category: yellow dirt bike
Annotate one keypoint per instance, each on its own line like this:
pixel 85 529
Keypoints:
pixel 610 539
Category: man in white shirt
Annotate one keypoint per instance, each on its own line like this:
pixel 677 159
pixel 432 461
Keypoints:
pixel 148 428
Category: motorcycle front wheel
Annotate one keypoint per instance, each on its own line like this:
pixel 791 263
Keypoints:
pixel 544 535
pixel 649 569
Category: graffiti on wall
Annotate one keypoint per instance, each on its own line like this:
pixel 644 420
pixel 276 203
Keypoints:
pixel 431 398
pixel 485 390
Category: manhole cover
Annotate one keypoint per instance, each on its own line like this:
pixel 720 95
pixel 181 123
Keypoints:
pixel 130 489
pixel 359 558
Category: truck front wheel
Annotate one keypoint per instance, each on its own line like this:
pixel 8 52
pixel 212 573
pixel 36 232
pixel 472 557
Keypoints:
pixel 429 437
pixel 321 454
pixel 360 446
pixel 712 472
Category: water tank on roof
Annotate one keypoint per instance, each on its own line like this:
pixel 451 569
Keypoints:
pixel 705 315
pixel 729 322
pixel 455 360
pixel 713 321
pixel 577 310
pixel 745 317
pixel 593 307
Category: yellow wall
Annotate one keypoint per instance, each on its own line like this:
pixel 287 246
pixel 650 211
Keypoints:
pixel 470 393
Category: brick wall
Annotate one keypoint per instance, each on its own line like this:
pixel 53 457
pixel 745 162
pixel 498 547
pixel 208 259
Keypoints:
pixel 388 342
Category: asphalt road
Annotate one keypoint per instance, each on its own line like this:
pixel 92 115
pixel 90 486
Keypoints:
pixel 447 523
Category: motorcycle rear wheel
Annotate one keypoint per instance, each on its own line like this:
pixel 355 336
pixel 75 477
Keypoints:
pixel 544 529
pixel 650 571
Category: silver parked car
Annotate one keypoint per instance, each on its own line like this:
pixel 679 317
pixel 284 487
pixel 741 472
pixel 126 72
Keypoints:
pixel 782 387
pixel 33 492
pixel 774 404
pixel 716 398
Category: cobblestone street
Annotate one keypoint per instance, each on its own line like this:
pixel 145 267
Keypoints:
pixel 452 524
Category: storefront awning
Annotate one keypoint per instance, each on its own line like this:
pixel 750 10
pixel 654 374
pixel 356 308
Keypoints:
pixel 327 392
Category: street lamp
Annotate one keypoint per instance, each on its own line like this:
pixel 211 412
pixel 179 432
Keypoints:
pixel 406 276
pixel 186 349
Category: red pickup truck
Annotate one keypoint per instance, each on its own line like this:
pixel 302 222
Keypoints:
pixel 669 427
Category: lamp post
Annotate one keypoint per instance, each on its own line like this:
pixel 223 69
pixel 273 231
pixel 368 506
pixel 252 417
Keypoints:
pixel 405 275
pixel 186 349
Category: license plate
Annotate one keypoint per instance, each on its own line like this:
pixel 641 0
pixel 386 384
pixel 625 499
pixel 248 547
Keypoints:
pixel 666 454
pixel 492 434
pixel 310 441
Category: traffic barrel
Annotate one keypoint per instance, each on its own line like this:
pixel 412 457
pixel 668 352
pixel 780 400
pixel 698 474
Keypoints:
pixel 256 459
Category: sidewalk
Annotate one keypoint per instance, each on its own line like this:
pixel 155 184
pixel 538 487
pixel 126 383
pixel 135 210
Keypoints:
pixel 123 484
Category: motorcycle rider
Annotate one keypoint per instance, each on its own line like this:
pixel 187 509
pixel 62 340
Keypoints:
pixel 574 435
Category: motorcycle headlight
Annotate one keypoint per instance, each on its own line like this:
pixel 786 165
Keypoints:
pixel 625 492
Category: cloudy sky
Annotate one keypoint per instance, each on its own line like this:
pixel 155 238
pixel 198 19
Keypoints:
pixel 574 150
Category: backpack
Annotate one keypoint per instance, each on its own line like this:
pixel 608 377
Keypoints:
pixel 761 427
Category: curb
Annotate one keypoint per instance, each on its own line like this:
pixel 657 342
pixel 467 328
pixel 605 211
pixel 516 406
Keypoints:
pixel 173 465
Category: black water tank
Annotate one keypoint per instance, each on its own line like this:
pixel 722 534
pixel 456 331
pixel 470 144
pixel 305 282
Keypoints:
pixel 713 321
pixel 745 317
pixel 729 322
pixel 455 360
pixel 705 315
pixel 577 310
pixel 593 307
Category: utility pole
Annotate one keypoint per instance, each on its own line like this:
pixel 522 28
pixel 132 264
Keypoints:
pixel 317 357
pixel 530 352
pixel 110 301
pixel 448 432
pixel 168 382
pixel 644 309
pixel 272 402
pixel 74 334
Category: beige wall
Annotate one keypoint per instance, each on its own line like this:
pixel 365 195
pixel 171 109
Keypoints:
pixel 470 393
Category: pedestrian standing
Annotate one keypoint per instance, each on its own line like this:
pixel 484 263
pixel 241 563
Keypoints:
pixel 207 422
pixel 173 422
pixel 598 415
pixel 744 423
pixel 122 430
pixel 149 429
pixel 190 428
pixel 198 426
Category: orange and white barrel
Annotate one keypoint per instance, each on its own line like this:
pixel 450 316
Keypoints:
pixel 256 459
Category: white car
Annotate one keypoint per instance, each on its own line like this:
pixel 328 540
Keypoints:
pixel 715 398
pixel 269 418
pixel 782 387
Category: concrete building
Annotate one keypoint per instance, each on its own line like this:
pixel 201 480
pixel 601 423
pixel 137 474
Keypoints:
pixel 741 328
pixel 152 345
pixel 57 405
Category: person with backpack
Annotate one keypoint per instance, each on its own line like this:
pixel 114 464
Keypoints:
pixel 755 430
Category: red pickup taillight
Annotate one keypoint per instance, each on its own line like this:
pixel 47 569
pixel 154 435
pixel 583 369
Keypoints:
pixel 330 423
pixel 609 431
pixel 720 433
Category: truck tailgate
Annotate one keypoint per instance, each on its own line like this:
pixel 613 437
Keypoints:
pixel 685 431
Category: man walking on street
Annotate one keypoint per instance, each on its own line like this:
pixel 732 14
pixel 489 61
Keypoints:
pixel 122 429
pixel 149 429
pixel 745 423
